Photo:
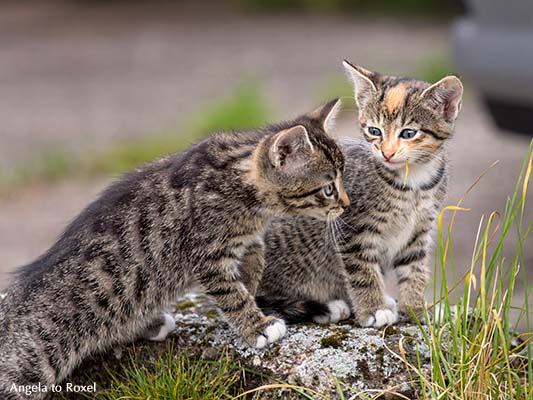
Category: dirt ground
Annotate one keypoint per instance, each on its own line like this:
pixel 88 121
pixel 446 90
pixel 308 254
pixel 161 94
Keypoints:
pixel 85 76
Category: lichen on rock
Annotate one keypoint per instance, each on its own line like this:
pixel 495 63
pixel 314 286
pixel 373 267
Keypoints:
pixel 322 358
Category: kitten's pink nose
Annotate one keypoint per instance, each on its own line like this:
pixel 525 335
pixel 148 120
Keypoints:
pixel 388 154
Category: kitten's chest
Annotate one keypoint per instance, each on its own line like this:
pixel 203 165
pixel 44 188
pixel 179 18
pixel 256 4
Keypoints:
pixel 401 224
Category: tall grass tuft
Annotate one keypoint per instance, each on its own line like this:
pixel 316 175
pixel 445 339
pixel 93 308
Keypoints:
pixel 172 376
pixel 476 351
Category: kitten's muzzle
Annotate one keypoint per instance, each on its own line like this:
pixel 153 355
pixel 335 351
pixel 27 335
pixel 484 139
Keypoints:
pixel 342 199
pixel 336 212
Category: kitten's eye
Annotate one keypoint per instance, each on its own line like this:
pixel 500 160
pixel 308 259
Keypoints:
pixel 328 190
pixel 374 131
pixel 407 134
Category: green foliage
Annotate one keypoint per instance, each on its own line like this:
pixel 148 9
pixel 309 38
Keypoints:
pixel 337 86
pixel 432 69
pixel 171 377
pixel 476 352
pixel 386 7
pixel 50 165
pixel 243 108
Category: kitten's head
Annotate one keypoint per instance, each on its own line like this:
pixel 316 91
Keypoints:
pixel 404 118
pixel 300 167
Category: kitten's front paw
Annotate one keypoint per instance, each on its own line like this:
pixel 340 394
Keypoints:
pixel 168 324
pixel 338 311
pixel 380 318
pixel 274 330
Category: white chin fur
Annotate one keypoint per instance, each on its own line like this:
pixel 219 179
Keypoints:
pixel 394 166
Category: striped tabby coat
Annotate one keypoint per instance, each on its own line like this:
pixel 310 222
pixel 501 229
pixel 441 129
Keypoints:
pixel 311 274
pixel 196 217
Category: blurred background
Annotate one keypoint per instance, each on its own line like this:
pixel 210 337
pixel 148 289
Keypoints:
pixel 89 89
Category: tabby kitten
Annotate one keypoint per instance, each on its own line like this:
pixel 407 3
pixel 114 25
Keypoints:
pixel 195 217
pixel 392 213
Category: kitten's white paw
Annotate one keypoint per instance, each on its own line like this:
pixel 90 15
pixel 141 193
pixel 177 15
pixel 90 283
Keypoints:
pixel 381 318
pixel 166 328
pixel 338 311
pixel 261 342
pixel 385 317
pixel 322 319
pixel 272 333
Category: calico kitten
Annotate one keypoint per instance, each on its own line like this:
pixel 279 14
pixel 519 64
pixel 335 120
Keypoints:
pixel 388 224
pixel 195 217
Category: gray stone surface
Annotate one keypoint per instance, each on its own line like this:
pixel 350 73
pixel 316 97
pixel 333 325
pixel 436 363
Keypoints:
pixel 312 356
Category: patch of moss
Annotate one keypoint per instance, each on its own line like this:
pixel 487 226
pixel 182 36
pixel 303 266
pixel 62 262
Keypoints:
pixel 184 305
pixel 210 329
pixel 334 341
pixel 350 322
pixel 300 325
pixel 275 351
pixel 212 314
pixel 390 330
pixel 410 340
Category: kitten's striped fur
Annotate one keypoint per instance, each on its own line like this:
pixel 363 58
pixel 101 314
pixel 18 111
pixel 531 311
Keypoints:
pixel 389 221
pixel 196 217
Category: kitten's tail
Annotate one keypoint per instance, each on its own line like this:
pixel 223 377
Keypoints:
pixel 292 311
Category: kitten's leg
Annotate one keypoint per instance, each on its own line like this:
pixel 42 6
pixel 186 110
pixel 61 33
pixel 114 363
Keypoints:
pixel 413 274
pixel 158 329
pixel 391 303
pixel 221 282
pixel 367 292
pixel 252 267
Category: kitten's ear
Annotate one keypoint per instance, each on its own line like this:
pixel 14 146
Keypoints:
pixel 445 96
pixel 327 114
pixel 364 82
pixel 291 148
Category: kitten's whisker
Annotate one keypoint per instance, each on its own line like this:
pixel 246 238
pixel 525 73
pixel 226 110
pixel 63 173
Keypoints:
pixel 338 229
pixel 326 236
pixel 330 229
pixel 348 225
pixel 427 153
pixel 340 236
